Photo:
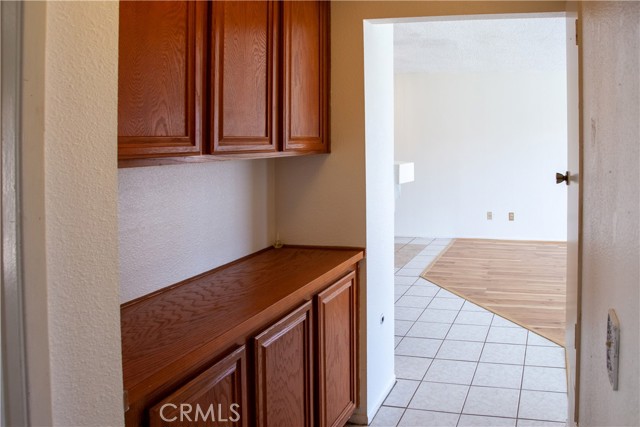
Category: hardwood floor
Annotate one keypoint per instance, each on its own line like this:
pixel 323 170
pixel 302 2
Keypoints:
pixel 523 281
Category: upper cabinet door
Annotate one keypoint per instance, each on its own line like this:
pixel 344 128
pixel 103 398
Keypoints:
pixel 160 68
pixel 244 76
pixel 306 76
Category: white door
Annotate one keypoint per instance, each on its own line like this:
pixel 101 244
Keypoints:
pixel 574 217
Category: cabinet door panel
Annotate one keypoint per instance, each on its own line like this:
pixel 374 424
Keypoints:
pixel 244 76
pixel 208 400
pixel 160 72
pixel 337 352
pixel 284 371
pixel 306 75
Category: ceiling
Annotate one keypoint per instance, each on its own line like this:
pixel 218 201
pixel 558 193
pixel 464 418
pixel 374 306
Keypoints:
pixel 481 45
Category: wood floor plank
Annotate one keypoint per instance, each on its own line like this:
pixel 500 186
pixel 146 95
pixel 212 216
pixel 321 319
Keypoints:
pixel 522 281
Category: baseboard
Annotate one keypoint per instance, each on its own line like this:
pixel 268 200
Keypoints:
pixel 362 419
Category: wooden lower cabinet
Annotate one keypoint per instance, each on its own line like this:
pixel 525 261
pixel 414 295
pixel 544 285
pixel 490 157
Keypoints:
pixel 284 371
pixel 217 397
pixel 267 341
pixel 284 363
pixel 337 352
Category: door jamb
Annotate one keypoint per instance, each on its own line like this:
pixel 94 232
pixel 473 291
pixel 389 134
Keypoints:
pixel 14 409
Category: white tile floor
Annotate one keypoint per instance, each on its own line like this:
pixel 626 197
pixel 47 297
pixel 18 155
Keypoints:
pixel 458 364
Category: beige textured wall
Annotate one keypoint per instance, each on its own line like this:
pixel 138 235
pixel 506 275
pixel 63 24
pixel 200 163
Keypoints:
pixel 72 295
pixel 611 132
pixel 182 220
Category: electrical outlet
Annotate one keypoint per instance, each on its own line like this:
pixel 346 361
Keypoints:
pixel 511 216
pixel 489 216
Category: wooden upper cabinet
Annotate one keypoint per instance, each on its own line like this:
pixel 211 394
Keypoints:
pixel 337 352
pixel 217 397
pixel 305 76
pixel 160 81
pixel 244 77
pixel 213 78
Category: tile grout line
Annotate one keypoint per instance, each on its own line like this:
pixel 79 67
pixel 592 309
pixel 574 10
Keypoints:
pixel 524 364
pixel 474 375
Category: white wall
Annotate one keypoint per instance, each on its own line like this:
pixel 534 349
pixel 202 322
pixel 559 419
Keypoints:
pixel 378 79
pixel 482 141
pixel 611 278
pixel 72 305
pixel 179 221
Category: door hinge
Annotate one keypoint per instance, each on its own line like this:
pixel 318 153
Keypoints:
pixel 577 32
pixel 125 400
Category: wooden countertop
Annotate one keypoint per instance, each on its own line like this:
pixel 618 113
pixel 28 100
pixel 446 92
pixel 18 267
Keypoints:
pixel 163 331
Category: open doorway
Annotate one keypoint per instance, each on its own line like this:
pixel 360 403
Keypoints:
pixel 458 173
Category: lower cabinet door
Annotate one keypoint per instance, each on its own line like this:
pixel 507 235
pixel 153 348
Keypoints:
pixel 337 352
pixel 284 371
pixel 217 397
